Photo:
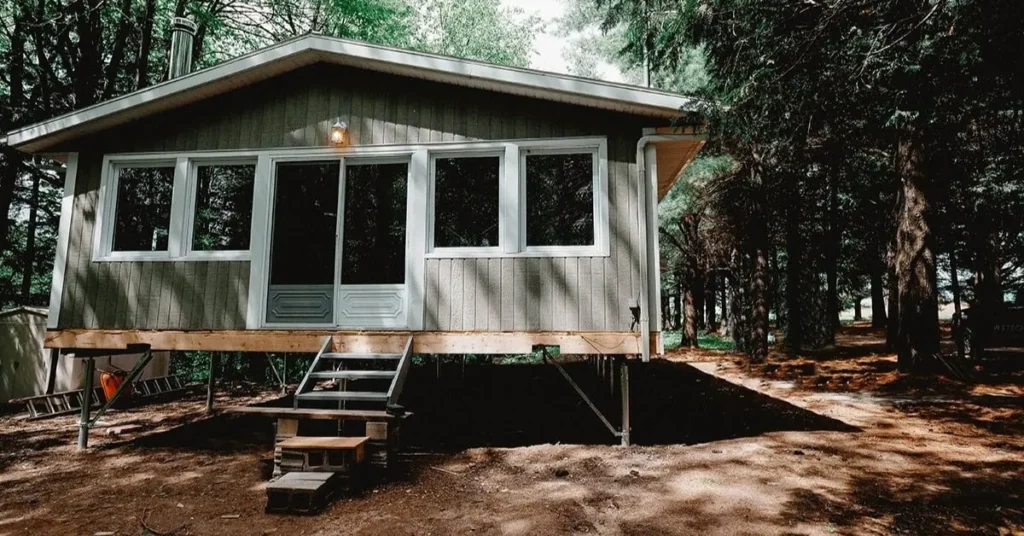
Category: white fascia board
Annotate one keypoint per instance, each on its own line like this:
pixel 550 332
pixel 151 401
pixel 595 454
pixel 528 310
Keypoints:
pixel 305 50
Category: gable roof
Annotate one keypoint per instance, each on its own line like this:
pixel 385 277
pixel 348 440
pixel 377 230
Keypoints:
pixel 312 48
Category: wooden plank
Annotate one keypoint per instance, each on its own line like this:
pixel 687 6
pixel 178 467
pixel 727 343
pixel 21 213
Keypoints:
pixel 455 289
pixel 585 288
pixel 507 294
pixel 221 320
pixel 599 296
pixel 424 342
pixel 431 300
pixel 533 293
pixel 198 289
pixel 625 254
pixel 520 293
pixel 186 297
pixel 572 298
pixel 469 294
pixel 444 298
pixel 314 414
pixel 494 294
pixel 548 284
pixel 326 443
pixel 558 293
pixel 153 302
pixel 483 295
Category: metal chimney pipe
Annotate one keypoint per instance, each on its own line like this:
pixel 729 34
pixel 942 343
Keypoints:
pixel 182 33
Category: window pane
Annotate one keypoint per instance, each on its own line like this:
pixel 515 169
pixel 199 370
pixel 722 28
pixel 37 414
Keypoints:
pixel 142 216
pixel 560 199
pixel 373 250
pixel 223 207
pixel 466 202
pixel 305 219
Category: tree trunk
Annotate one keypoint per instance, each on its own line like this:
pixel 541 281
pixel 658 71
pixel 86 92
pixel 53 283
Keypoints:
pixel 878 319
pixel 146 30
pixel 677 308
pixel 758 351
pixel 90 56
pixel 988 292
pixel 737 297
pixel 832 248
pixel 954 282
pixel 724 300
pixel 857 317
pixel 892 331
pixel 29 262
pixel 41 40
pixel 915 260
pixel 117 53
pixel 697 282
pixel 11 117
pixel 794 306
pixel 689 318
pixel 710 290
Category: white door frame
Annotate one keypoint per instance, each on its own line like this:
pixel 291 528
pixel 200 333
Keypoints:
pixel 407 296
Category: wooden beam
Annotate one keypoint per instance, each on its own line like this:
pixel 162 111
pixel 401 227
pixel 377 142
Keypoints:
pixel 307 341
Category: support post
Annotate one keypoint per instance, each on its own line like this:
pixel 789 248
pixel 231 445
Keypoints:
pixel 83 422
pixel 209 383
pixel 624 387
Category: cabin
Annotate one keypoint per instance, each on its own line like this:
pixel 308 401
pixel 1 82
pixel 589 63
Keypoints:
pixel 325 195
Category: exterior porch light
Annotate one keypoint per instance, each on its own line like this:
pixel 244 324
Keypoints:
pixel 338 132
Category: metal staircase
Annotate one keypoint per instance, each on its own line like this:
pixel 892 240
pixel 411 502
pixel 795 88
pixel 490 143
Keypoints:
pixel 369 381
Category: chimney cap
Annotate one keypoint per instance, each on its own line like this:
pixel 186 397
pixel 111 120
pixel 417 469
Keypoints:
pixel 184 24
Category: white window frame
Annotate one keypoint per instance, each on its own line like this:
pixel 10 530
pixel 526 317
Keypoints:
pixel 600 247
pixel 190 210
pixel 469 251
pixel 103 246
pixel 179 239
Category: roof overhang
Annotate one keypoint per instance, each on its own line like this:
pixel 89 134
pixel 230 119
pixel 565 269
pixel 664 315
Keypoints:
pixel 309 49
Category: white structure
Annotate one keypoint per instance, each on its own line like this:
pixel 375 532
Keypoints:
pixel 28 369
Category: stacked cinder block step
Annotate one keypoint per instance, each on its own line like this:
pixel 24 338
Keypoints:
pixel 314 469
pixel 301 493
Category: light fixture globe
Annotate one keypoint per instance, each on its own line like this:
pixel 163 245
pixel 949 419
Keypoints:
pixel 338 131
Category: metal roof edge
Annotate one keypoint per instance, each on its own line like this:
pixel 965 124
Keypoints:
pixel 538 84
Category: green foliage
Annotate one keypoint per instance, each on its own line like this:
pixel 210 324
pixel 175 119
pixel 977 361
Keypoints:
pixel 476 29
pixel 707 341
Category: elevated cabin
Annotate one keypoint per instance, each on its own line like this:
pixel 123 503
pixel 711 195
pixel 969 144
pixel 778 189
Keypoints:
pixel 330 187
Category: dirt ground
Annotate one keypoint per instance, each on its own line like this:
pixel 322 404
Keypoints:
pixel 832 442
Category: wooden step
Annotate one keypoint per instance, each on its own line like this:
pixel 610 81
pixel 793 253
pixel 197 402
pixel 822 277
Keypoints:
pixel 336 355
pixel 368 396
pixel 354 374
pixel 317 413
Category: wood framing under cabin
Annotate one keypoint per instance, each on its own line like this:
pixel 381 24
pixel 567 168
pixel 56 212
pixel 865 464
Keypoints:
pixel 309 341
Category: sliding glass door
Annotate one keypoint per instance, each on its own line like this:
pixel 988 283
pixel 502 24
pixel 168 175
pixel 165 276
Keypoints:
pixel 331 267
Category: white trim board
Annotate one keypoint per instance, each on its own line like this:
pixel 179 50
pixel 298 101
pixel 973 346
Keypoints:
pixel 309 49
pixel 60 262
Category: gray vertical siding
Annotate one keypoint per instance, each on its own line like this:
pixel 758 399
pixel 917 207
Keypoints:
pixel 296 110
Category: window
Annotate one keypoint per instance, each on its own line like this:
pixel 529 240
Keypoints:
pixel 466 207
pixel 223 206
pixel 560 201
pixel 373 246
pixel 142 210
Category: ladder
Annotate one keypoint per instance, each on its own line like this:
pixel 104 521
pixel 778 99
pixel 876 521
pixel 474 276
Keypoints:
pixel 366 380
pixel 61 403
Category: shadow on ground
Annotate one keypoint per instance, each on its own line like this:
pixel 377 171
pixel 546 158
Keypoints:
pixel 519 405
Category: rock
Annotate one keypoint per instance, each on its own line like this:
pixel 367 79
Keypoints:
pixel 634 472
pixel 798 452
pixel 561 472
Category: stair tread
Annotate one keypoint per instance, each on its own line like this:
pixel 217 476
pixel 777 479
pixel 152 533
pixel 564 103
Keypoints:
pixel 353 374
pixel 341 355
pixel 344 395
